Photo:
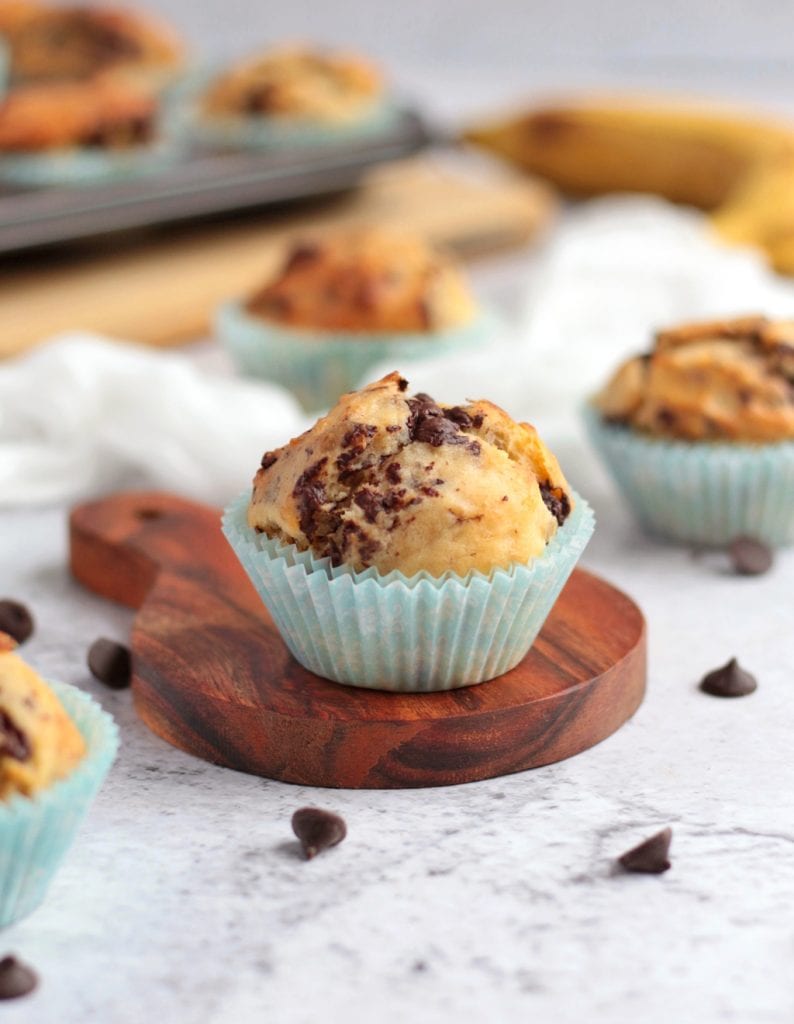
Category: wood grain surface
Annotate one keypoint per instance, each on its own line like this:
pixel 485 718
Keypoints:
pixel 164 289
pixel 212 676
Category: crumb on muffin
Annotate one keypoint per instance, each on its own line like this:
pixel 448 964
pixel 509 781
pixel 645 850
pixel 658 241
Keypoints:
pixel 39 743
pixel 105 113
pixel 54 43
pixel 300 82
pixel 729 380
pixel 366 280
pixel 400 482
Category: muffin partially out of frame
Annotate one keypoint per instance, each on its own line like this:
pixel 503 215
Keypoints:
pixel 341 302
pixel 699 432
pixel 406 545
pixel 56 746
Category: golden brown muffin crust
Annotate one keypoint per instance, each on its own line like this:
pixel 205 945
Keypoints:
pixel 39 743
pixel 73 43
pixel 400 482
pixel 367 280
pixel 107 113
pixel 297 82
pixel 717 380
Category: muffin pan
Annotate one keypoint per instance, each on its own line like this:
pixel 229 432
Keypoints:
pixel 212 676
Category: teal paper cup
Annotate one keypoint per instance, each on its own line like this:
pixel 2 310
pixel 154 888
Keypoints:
pixel 701 491
pixel 35 833
pixel 319 366
pixel 410 635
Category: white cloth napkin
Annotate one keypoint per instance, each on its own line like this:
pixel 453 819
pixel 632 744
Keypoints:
pixel 82 416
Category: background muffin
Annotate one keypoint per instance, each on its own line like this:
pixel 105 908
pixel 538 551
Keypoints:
pixel 340 303
pixel 405 545
pixel 76 42
pixel 699 433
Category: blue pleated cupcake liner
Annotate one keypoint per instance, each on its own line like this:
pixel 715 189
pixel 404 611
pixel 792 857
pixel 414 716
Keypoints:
pixel 319 366
pixel 407 634
pixel 286 133
pixel 83 166
pixel 36 832
pixel 703 492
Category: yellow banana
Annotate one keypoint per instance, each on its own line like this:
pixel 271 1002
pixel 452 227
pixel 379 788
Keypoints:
pixel 732 163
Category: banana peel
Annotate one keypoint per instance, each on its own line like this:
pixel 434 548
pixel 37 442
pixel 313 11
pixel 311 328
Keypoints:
pixel 735 165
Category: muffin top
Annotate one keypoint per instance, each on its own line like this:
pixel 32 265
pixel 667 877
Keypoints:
pixel 730 380
pixel 399 482
pixel 296 82
pixel 105 112
pixel 75 42
pixel 370 279
pixel 39 743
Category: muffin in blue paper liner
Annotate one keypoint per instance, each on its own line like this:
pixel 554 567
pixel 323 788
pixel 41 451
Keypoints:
pixel 36 831
pixel 415 634
pixel 699 432
pixel 319 366
pixel 401 544
pixel 703 492
pixel 290 96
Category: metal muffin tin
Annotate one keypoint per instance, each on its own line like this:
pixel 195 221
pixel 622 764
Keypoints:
pixel 199 184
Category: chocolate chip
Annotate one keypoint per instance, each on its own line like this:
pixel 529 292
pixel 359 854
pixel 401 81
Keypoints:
pixel 268 459
pixel 393 474
pixel 402 384
pixel 16 978
pixel 463 419
pixel 750 557
pixel 310 495
pixel 13 742
pixel 110 663
pixel 729 681
pixel 556 501
pixel 317 830
pixel 16 620
pixel 428 423
pixel 301 255
pixel 651 856
pixel 370 502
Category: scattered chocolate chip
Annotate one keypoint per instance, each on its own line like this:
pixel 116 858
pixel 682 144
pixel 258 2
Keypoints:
pixel 16 978
pixel 268 459
pixel 402 384
pixel 729 681
pixel 651 856
pixel 556 501
pixel 370 503
pixel 428 422
pixel 301 255
pixel 13 742
pixel 110 663
pixel 309 492
pixel 750 557
pixel 317 829
pixel 393 474
pixel 16 620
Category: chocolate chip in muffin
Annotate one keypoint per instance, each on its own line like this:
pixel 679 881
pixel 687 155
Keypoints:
pixel 268 459
pixel 16 978
pixel 428 423
pixel 317 830
pixel 16 620
pixel 302 254
pixel 651 856
pixel 110 663
pixel 556 501
pixel 731 680
pixel 13 742
pixel 750 557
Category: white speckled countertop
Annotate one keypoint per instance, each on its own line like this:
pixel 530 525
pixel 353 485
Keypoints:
pixel 184 899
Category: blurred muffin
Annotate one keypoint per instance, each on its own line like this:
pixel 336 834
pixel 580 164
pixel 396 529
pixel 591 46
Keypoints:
pixel 56 746
pixel 39 743
pixel 296 83
pixel 75 43
pixel 698 432
pixel 395 517
pixel 104 113
pixel 340 303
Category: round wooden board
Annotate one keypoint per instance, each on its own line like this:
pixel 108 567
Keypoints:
pixel 212 676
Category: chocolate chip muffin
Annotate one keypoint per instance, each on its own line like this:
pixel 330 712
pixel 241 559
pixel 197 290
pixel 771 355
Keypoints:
pixel 400 482
pixel 369 280
pixel 105 113
pixel 727 380
pixel 296 83
pixel 49 43
pixel 39 743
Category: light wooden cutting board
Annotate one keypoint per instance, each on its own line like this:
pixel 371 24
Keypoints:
pixel 163 289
